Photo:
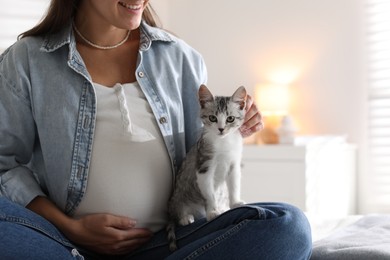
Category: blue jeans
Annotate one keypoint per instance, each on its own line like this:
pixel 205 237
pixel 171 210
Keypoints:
pixel 259 231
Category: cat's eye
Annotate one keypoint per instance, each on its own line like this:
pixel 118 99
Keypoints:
pixel 213 118
pixel 230 119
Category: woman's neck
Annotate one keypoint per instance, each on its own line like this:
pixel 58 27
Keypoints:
pixel 99 34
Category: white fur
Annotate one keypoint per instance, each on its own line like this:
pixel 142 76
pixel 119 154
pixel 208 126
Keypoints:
pixel 224 168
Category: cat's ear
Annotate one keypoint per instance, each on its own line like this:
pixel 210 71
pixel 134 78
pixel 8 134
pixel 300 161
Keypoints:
pixel 204 95
pixel 239 97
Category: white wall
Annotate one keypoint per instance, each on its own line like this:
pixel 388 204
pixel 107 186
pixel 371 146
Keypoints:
pixel 317 44
pixel 17 18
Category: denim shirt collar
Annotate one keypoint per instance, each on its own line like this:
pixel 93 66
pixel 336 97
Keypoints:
pixel 148 34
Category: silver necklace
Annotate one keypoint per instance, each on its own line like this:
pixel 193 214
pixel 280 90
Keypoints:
pixel 98 46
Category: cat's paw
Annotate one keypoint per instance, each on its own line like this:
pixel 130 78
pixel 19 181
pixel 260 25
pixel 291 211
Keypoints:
pixel 186 220
pixel 237 204
pixel 212 214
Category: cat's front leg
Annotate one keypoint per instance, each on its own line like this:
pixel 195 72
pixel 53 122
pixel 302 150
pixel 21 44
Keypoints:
pixel 234 186
pixel 207 189
pixel 186 217
pixel 186 220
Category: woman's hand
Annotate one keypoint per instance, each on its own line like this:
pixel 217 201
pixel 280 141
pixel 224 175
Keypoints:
pixel 101 233
pixel 107 234
pixel 253 119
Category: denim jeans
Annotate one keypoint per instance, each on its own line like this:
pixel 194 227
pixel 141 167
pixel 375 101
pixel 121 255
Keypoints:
pixel 257 231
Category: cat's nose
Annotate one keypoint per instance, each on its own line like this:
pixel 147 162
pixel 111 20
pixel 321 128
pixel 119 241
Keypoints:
pixel 221 129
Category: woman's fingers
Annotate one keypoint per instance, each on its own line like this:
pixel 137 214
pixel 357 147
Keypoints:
pixel 127 246
pixel 128 240
pixel 120 222
pixel 253 119
pixel 108 234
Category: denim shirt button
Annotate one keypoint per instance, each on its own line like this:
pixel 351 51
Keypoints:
pixel 162 120
pixel 141 74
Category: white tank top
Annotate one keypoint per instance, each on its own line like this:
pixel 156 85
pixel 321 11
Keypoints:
pixel 130 172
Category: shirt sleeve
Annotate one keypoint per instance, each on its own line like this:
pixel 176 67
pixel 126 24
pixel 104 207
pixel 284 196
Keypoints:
pixel 197 72
pixel 17 135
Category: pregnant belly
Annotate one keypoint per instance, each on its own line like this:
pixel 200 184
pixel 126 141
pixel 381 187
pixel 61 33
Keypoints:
pixel 140 194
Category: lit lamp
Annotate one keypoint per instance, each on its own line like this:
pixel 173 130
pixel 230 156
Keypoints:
pixel 273 102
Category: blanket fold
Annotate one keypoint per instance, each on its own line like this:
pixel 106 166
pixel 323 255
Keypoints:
pixel 368 238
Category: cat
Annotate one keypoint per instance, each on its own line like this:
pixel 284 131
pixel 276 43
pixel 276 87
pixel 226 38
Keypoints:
pixel 215 160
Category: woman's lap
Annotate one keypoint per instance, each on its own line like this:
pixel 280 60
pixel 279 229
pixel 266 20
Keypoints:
pixel 265 230
pixel 25 235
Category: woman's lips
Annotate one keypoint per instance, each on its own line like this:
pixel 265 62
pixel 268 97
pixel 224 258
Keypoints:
pixel 131 6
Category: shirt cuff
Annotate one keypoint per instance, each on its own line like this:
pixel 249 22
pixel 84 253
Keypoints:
pixel 20 186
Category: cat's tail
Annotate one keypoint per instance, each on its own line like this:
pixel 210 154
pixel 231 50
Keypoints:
pixel 171 230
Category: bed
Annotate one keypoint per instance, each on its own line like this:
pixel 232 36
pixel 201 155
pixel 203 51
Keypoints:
pixel 354 237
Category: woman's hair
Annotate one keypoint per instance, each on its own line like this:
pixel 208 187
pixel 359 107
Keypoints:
pixel 59 14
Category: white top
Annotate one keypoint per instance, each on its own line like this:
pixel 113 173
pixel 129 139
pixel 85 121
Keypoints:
pixel 130 172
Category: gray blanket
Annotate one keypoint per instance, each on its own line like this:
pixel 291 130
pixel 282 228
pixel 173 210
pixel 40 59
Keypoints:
pixel 366 239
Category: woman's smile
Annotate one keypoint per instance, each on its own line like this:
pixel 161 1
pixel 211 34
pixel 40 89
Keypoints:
pixel 133 7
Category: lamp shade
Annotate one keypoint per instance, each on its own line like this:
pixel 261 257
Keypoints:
pixel 272 99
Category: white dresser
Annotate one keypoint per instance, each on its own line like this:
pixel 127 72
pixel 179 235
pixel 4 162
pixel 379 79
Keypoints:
pixel 318 177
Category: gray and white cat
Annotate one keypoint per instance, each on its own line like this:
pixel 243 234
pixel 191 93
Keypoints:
pixel 215 160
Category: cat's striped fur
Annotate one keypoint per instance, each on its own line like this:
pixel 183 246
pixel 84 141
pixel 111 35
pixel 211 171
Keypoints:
pixel 214 160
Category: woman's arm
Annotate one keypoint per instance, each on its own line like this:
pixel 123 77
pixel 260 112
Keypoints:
pixel 101 233
pixel 17 131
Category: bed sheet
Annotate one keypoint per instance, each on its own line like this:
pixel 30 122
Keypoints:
pixel 322 227
pixel 352 237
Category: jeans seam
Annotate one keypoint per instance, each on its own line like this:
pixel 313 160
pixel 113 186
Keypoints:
pixel 217 240
pixel 261 214
pixel 24 222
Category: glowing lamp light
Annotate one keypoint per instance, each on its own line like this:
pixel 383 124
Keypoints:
pixel 273 100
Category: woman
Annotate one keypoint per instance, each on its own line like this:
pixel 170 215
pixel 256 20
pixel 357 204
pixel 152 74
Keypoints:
pixel 96 92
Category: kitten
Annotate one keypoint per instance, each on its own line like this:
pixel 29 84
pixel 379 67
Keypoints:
pixel 215 160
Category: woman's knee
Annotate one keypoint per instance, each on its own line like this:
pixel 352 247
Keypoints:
pixel 22 242
pixel 25 235
pixel 296 226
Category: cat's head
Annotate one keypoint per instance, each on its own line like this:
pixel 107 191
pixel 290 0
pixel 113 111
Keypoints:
pixel 222 115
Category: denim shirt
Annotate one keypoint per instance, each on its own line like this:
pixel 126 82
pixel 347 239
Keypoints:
pixel 48 111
